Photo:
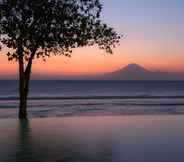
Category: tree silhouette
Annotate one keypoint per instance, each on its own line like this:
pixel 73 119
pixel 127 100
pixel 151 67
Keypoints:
pixel 41 28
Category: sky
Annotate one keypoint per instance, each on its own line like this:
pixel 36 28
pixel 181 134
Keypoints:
pixel 153 37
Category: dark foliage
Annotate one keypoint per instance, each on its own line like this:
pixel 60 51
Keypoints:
pixel 45 27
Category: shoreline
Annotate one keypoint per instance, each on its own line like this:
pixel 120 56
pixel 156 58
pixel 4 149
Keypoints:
pixel 95 116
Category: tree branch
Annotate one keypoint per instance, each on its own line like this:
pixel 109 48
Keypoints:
pixel 29 64
pixel 28 69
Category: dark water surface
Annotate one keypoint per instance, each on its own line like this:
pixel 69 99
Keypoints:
pixel 93 139
pixel 93 98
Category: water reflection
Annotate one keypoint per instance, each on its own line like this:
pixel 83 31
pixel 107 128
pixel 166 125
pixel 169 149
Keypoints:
pixel 93 139
pixel 25 151
pixel 57 140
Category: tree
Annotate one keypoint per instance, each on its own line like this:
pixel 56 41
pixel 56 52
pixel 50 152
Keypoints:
pixel 41 28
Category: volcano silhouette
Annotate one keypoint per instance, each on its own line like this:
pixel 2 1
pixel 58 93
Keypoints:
pixel 136 72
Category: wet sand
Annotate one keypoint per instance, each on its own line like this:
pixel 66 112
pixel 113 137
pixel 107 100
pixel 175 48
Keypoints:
pixel 93 139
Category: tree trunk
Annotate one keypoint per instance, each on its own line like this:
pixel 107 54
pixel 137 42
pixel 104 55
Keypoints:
pixel 23 100
pixel 24 77
pixel 22 90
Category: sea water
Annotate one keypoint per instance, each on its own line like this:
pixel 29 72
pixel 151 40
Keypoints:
pixel 52 98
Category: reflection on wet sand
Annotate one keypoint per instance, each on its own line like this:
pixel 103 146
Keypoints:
pixel 93 139
pixel 25 151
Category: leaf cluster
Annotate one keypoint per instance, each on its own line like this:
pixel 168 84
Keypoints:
pixel 53 27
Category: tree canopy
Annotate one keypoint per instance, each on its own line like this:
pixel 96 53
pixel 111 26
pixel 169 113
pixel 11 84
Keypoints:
pixel 46 27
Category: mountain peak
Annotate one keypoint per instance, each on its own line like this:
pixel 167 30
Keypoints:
pixel 132 71
pixel 133 67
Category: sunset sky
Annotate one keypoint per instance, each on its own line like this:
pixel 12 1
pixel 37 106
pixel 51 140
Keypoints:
pixel 154 38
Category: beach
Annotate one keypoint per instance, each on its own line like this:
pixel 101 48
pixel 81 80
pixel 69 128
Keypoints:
pixel 93 139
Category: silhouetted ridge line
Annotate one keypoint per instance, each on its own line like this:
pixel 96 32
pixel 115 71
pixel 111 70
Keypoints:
pixel 135 72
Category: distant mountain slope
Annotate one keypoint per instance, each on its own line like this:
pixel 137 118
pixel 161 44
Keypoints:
pixel 137 72
pixel 129 72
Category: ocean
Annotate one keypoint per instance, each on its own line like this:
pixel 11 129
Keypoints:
pixel 54 98
pixel 93 121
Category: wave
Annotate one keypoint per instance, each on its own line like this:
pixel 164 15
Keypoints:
pixel 93 105
pixel 94 97
pixel 100 108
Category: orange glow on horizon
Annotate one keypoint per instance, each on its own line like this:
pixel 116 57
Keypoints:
pixel 90 60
